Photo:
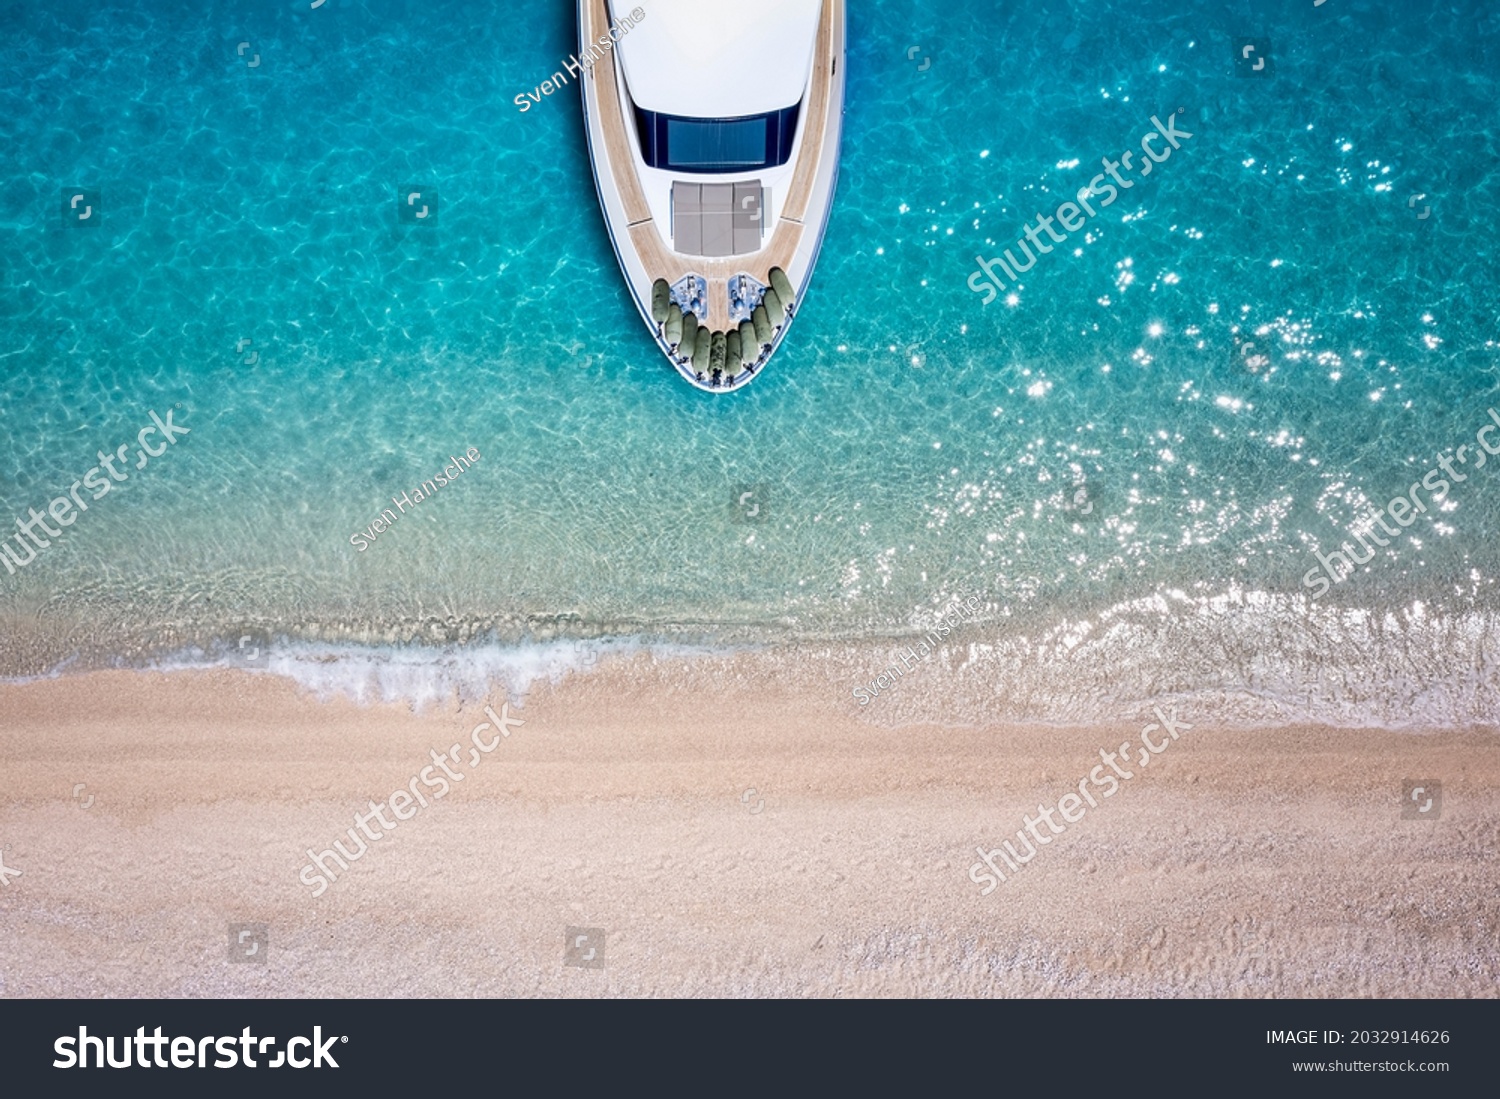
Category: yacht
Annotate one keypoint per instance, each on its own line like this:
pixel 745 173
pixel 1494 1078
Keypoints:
pixel 713 130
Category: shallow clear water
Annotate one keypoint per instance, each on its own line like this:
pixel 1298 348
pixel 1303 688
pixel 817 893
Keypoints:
pixel 1103 441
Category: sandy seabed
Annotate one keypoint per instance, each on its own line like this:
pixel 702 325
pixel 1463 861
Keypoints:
pixel 756 838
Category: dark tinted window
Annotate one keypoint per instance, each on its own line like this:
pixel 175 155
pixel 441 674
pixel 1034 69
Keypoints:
pixel 717 144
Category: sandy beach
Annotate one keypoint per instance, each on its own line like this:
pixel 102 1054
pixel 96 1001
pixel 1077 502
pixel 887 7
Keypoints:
pixel 734 832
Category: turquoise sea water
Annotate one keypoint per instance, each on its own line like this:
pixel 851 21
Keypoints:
pixel 1104 448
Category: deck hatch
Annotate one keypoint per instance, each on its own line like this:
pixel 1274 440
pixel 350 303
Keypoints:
pixel 717 219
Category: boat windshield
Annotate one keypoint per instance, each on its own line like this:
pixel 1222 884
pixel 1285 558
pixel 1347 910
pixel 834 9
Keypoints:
pixel 748 144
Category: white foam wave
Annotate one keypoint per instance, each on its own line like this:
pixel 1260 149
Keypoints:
pixel 425 675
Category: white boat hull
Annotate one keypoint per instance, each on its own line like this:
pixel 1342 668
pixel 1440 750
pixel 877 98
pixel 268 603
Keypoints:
pixel 644 208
